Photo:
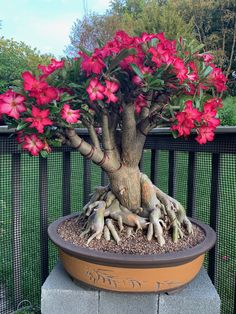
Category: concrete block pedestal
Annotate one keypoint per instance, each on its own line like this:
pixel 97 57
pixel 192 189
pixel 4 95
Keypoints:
pixel 60 295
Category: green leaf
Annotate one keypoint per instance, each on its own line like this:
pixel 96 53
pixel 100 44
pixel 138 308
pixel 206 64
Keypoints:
pixel 21 126
pixel 74 85
pixel 66 97
pixel 197 103
pixel 122 55
pixel 156 83
pixel 198 48
pixel 207 71
pixel 55 143
pixel 85 51
pixel 54 110
pixel 17 83
pixel 153 42
pixel 44 154
pixel 137 70
pixel 175 133
pixel 63 73
pixel 100 43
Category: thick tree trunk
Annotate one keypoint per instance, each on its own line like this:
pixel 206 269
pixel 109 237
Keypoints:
pixel 125 184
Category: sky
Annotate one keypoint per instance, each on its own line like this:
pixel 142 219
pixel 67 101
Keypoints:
pixel 44 24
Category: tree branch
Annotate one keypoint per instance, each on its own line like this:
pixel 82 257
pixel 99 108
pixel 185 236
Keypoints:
pixel 92 133
pixel 113 130
pixel 96 155
pixel 128 133
pixel 106 138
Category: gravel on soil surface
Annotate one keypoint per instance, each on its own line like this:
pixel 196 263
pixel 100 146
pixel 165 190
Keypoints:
pixel 71 229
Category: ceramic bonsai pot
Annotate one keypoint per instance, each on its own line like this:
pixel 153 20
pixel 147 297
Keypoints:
pixel 130 272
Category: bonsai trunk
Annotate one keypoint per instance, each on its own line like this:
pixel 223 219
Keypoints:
pixel 125 184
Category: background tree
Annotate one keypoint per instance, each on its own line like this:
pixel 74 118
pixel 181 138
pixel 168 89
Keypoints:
pixel 215 27
pixel 133 16
pixel 16 57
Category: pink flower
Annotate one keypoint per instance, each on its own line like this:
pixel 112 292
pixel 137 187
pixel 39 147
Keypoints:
pixel 39 119
pixel 192 113
pixel 213 104
pixel 186 119
pixel 210 111
pixel 144 70
pixel 180 69
pixel 217 79
pixel 111 88
pixel 53 66
pixel 205 133
pixel 95 90
pixel 33 144
pixel 184 125
pixel 12 104
pixel 93 64
pixel 164 52
pixel 210 120
pixel 140 102
pixel 31 83
pixel 39 89
pixel 136 80
pixel 70 115
pixel 207 57
pixel 46 95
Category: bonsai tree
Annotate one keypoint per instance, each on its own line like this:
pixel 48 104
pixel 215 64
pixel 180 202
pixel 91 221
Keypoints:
pixel 120 92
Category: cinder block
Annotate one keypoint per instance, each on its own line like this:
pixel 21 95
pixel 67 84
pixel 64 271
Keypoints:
pixel 199 297
pixel 132 303
pixel 60 295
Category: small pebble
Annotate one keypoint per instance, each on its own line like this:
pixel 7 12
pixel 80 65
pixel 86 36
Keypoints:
pixel 70 230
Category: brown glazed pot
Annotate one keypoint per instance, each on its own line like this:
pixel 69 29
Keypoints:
pixel 130 272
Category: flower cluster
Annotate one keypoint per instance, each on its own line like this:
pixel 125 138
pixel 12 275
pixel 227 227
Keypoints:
pixel 147 70
pixel 97 91
pixel 204 121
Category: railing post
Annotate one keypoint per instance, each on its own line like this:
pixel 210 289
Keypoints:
pixel 214 213
pixel 43 199
pixel 16 232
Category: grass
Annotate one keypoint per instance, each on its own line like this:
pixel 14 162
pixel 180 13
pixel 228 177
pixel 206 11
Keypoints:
pixel 30 213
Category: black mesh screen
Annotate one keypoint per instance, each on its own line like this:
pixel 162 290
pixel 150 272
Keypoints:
pixel 202 178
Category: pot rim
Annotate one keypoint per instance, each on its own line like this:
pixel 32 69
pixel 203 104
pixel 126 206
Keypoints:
pixel 133 260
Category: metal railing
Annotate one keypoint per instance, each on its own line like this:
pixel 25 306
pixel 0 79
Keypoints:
pixel 162 151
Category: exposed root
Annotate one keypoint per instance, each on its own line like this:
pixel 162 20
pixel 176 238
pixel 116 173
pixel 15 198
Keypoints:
pixel 158 214
pixel 112 229
pixel 107 234
pixel 150 232
pixel 129 232
pixel 157 228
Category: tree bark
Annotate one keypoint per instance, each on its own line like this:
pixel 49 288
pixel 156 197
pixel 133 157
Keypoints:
pixel 125 184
